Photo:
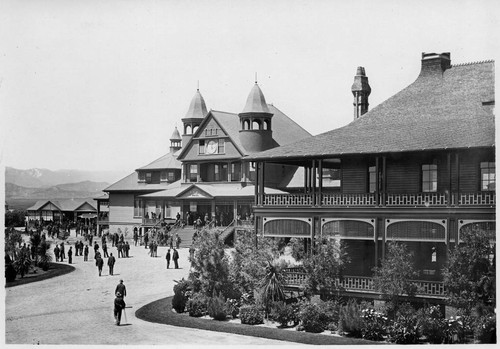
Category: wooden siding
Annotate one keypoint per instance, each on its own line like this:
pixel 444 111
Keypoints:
pixel 403 176
pixel 354 176
pixel 121 208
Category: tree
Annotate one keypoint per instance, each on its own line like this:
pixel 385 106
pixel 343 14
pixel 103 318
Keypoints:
pixel 394 277
pixel 209 265
pixel 15 218
pixel 325 267
pixel 469 275
pixel 249 261
pixel 13 239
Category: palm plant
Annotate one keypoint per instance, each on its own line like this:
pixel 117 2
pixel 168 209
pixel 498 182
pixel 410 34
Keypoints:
pixel 23 262
pixel 272 286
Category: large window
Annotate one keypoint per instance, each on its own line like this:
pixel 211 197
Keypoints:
pixel 487 176
pixel 429 178
pixel 235 172
pixel 192 173
pixel 222 148
pixel 137 207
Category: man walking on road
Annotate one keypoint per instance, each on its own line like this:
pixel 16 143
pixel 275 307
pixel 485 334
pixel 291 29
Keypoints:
pixel 111 263
pixel 105 249
pixel 86 253
pixel 119 306
pixel 120 288
pixel 70 255
pixel 168 258
pixel 99 262
pixel 175 257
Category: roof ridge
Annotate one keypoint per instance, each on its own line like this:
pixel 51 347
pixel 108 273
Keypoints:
pixel 471 63
pixel 221 111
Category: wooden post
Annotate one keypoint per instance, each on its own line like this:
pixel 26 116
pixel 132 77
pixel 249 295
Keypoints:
pixel 320 184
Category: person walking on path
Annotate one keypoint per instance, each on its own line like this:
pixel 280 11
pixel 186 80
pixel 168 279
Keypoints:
pixel 96 249
pixel 56 253
pixel 86 253
pixel 119 247
pixel 111 263
pixel 168 258
pixel 175 257
pixel 105 249
pixel 127 249
pixel 99 262
pixel 119 306
pixel 120 288
pixel 61 253
pixel 70 255
pixel 136 236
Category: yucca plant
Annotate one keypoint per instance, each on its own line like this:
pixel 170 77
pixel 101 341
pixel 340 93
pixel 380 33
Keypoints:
pixel 271 286
pixel 23 263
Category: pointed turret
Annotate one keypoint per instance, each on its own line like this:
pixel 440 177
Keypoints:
pixel 361 90
pixel 195 115
pixel 175 141
pixel 256 132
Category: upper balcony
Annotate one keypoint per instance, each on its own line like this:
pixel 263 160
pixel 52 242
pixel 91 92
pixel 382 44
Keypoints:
pixel 476 199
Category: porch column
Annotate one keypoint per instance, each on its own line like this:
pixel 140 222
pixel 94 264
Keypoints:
pixel 375 235
pixel 457 170
pixel 320 182
pixel 313 179
pixel 229 171
pixel 448 168
pixel 212 208
pixel 262 176
pixel 377 182
pixel 305 180
pixel 198 174
pixel 235 210
pixel 384 181
pixel 257 182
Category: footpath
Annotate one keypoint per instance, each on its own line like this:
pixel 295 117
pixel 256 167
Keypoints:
pixel 77 308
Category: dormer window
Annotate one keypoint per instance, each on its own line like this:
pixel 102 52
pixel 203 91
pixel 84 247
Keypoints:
pixel 149 177
pixel 142 177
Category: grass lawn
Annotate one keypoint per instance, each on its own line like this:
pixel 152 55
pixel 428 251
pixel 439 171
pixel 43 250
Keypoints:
pixel 55 269
pixel 161 312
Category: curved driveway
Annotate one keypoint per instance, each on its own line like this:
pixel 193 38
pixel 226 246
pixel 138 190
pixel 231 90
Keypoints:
pixel 77 308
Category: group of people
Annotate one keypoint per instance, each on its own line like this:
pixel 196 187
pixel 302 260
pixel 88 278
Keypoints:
pixel 174 256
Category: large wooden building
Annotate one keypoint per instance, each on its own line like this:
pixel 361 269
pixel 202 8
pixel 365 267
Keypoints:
pixel 418 168
pixel 204 175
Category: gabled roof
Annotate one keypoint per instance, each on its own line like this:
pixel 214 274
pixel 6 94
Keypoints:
pixel 131 183
pixel 212 190
pixel 285 130
pixel 167 161
pixel 64 205
pixel 440 110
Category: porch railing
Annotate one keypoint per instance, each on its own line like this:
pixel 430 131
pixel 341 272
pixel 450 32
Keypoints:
pixel 484 198
pixel 385 199
pixel 150 221
pixel 296 277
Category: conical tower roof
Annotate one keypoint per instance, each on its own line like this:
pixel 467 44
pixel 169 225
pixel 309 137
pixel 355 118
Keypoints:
pixel 197 108
pixel 256 103
pixel 176 135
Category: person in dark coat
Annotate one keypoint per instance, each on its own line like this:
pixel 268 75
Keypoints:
pixel 56 253
pixel 119 306
pixel 105 249
pixel 96 248
pixel 99 262
pixel 70 254
pixel 86 253
pixel 168 258
pixel 175 257
pixel 61 253
pixel 120 288
pixel 136 236
pixel 127 249
pixel 111 263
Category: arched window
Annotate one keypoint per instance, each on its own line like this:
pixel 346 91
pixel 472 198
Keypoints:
pixel 188 130
pixel 267 124
pixel 256 125
pixel 246 124
pixel 195 128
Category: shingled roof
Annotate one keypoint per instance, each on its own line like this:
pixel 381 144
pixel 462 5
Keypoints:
pixel 450 109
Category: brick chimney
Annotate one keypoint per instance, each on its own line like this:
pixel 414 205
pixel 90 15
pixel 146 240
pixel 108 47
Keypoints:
pixel 435 63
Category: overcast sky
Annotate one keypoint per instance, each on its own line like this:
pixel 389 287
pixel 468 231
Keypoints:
pixel 100 85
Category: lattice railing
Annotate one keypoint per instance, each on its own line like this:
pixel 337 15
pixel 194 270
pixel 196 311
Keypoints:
pixel 486 198
pixel 288 200
pixel 416 199
pixel 297 277
pixel 342 199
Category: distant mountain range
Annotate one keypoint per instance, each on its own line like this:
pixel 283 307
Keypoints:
pixel 24 187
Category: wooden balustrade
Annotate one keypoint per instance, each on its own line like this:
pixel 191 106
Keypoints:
pixel 296 277
pixel 391 199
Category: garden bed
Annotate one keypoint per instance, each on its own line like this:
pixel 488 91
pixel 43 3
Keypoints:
pixel 55 269
pixel 160 311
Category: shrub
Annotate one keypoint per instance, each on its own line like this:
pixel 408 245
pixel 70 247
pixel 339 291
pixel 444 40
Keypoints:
pixel 312 318
pixel 216 308
pixel 485 329
pixel 232 308
pixel 197 305
pixel 404 329
pixel 432 324
pixel 181 295
pixel 284 313
pixel 350 320
pixel 374 325
pixel 251 315
pixel 10 272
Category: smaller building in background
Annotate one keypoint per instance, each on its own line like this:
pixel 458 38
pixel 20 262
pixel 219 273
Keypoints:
pixel 72 210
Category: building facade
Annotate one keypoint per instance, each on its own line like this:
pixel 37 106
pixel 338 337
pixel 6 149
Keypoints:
pixel 419 168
